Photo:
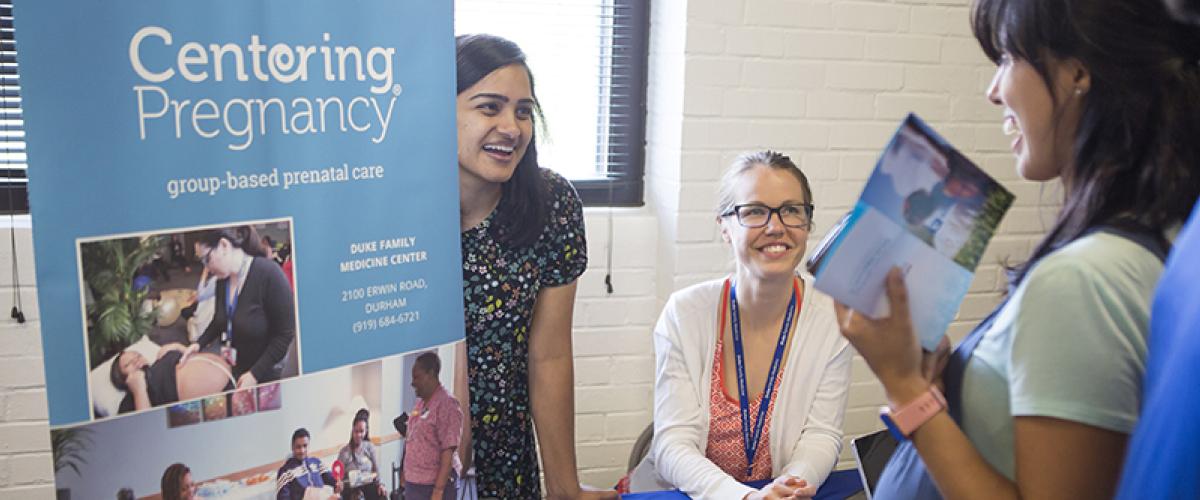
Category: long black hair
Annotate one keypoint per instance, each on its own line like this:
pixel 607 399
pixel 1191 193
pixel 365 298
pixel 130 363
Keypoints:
pixel 362 415
pixel 1137 148
pixel 172 480
pixel 521 214
pixel 243 237
pixel 115 375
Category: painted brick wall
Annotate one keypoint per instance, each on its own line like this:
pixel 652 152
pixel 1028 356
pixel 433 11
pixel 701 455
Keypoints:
pixel 25 466
pixel 825 82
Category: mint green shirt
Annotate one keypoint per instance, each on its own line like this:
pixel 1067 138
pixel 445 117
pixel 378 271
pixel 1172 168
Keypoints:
pixel 1069 344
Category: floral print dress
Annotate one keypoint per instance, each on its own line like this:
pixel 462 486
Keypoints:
pixel 500 286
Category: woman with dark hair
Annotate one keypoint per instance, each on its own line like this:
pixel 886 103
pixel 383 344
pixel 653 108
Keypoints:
pixel 523 248
pixel 361 462
pixel 255 317
pixel 1043 395
pixel 169 379
pixel 177 483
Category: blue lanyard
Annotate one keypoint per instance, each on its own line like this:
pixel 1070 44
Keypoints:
pixel 231 300
pixel 750 438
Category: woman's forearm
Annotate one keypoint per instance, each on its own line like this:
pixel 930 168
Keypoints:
pixel 552 400
pixel 816 454
pixel 141 399
pixel 552 388
pixel 957 468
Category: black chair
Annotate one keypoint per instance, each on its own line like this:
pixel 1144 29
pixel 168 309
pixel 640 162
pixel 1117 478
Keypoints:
pixel 641 447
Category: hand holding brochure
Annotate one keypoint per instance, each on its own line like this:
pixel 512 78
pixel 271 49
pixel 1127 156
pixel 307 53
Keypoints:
pixel 927 210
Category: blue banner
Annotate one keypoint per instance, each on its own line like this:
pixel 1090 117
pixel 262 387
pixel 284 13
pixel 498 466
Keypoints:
pixel 154 128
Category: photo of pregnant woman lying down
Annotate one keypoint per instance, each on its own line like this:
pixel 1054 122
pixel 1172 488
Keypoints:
pixel 171 377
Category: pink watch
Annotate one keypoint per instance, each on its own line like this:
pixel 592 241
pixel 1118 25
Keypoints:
pixel 902 422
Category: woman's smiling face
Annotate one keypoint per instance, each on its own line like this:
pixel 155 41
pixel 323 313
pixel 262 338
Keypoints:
pixel 774 249
pixel 495 124
pixel 1043 120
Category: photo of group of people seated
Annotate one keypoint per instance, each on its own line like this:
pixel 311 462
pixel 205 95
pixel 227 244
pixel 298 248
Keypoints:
pixel 429 465
pixel 322 443
pixel 174 317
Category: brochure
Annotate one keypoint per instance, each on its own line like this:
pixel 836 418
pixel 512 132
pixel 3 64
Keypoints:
pixel 926 209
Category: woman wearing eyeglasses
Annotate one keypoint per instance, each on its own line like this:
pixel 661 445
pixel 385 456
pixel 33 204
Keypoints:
pixel 751 374
pixel 255 317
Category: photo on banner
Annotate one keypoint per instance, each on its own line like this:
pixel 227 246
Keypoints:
pixel 252 455
pixel 230 201
pixel 148 296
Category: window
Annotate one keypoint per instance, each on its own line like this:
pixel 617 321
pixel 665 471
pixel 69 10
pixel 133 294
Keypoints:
pixel 589 61
pixel 14 196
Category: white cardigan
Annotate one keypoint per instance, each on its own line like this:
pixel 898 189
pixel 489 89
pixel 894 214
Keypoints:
pixel 806 429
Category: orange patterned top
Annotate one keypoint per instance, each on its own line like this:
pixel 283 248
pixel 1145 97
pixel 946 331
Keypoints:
pixel 725 447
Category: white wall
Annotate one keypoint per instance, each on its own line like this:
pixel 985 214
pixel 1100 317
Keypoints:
pixel 25 470
pixel 824 82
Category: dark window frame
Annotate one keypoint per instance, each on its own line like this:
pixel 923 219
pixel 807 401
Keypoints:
pixel 625 185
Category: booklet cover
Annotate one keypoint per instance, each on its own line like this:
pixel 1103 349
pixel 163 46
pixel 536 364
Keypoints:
pixel 926 209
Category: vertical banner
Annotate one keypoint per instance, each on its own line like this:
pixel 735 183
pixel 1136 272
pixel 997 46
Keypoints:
pixel 245 213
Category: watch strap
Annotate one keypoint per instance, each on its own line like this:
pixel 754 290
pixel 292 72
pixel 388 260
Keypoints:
pixel 904 421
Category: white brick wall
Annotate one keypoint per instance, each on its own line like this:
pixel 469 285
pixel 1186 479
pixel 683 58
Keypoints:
pixel 25 465
pixel 825 82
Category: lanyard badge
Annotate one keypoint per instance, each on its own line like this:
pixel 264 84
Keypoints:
pixel 750 437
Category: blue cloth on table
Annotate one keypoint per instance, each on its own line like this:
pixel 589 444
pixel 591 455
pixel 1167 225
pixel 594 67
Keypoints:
pixel 839 485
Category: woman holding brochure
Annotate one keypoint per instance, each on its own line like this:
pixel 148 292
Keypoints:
pixel 751 375
pixel 523 248
pixel 1104 95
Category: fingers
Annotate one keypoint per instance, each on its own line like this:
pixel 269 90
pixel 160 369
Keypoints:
pixel 942 353
pixel 943 348
pixel 932 363
pixel 787 487
pixel 187 353
pixel 897 294
pixel 808 491
pixel 843 313
pixel 849 322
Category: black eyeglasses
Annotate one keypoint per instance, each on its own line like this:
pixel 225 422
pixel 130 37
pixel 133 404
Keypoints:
pixel 204 258
pixel 798 215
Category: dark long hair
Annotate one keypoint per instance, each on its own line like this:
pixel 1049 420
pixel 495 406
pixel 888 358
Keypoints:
pixel 1136 149
pixel 115 375
pixel 521 214
pixel 172 479
pixel 362 415
pixel 243 237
